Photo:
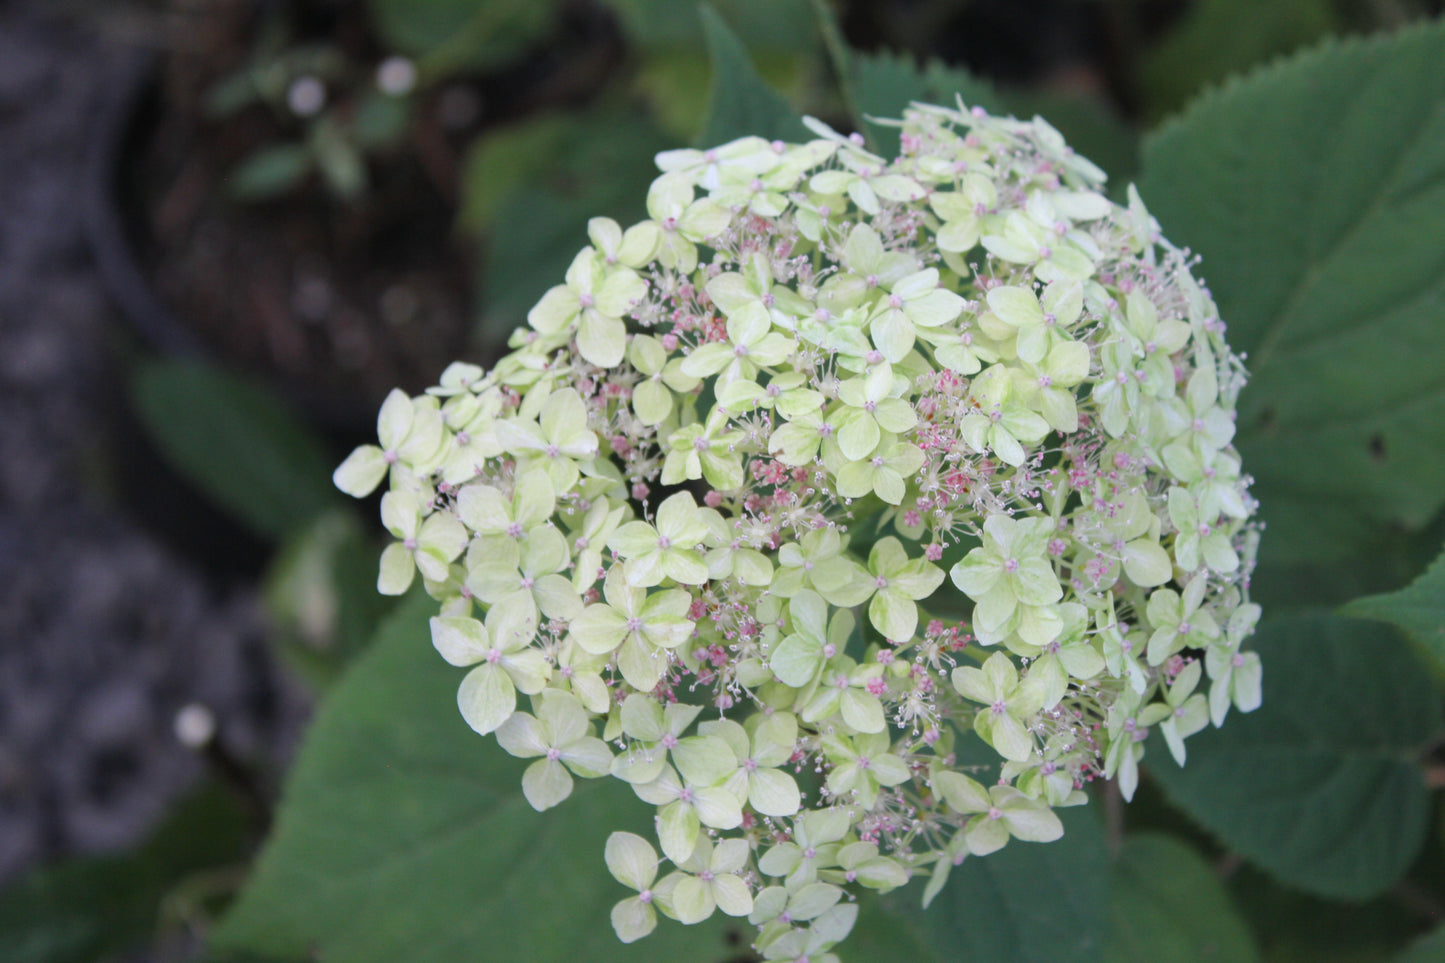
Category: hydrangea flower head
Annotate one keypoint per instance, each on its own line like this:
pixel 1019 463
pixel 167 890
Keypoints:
pixel 835 463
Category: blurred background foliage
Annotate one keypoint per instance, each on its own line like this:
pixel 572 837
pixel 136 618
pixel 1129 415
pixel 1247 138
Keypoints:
pixel 526 118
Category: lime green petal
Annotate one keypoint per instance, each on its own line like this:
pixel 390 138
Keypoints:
pixel 692 900
pixel 397 570
pixel 631 860
pixel 361 472
pixel 773 793
pixel 487 698
pixel 545 784
pixel 796 660
pixel 632 919
pixel 677 830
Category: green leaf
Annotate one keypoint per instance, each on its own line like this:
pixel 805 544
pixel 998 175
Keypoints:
pixel 403 835
pixel 1166 903
pixel 1320 786
pixel 1429 949
pixel 338 158
pixel 1314 191
pixel 672 71
pixel 453 35
pixel 536 228
pixel 1217 38
pixel 1418 608
pixel 505 160
pixel 269 172
pixel 97 907
pixel 1292 927
pixel 1308 585
pixel 741 104
pixel 775 26
pixel 241 446
pixel 320 594
pixel 995 908
pixel 880 936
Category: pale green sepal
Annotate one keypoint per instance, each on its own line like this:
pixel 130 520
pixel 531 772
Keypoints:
pixel 397 570
pixel 487 698
pixel 813 901
pixel 677 830
pixel 632 919
pixel 703 760
pixel 1146 563
pixel 773 793
pixel 718 808
pixel 546 783
pixel 732 895
pixel 692 900
pixel 631 860
pixel 361 472
pixel 460 641
pixel 796 660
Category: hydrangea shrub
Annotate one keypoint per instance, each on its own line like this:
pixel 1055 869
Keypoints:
pixel 833 463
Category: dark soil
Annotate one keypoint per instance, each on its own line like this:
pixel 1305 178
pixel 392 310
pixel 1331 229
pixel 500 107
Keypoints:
pixel 332 301
pixel 105 630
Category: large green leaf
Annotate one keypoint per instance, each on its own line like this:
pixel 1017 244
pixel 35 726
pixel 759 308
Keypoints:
pixel 96 907
pixel 673 74
pixel 883 935
pixel 404 836
pixel 1217 38
pixel 557 171
pixel 320 595
pixel 1314 191
pixel 1429 949
pixel 1027 903
pixel 1321 786
pixel 1167 904
pixel 1294 927
pixel 1418 608
pixel 741 103
pixel 1384 560
pixel 773 27
pixel 239 444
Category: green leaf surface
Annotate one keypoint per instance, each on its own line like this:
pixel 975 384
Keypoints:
pixel 880 936
pixel 404 836
pixel 507 159
pixel 1418 608
pixel 1166 903
pixel 1320 786
pixel 1217 38
pixel 320 594
pixel 1026 903
pixel 270 172
pixel 451 35
pixel 741 103
pixel 1293 927
pixel 1428 949
pixel 597 164
pixel 1384 560
pixel 92 908
pixel 1314 191
pixel 238 444
pixel 771 26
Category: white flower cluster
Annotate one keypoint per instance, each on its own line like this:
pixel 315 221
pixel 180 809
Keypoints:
pixel 831 465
